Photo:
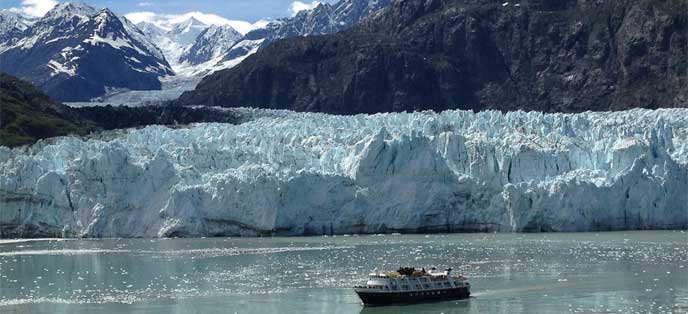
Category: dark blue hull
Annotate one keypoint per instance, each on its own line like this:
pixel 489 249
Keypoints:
pixel 407 297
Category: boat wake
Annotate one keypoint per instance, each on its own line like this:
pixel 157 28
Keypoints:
pixel 522 290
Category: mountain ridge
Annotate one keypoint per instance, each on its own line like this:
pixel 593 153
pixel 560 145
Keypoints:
pixel 324 19
pixel 210 44
pixel 28 115
pixel 76 52
pixel 566 56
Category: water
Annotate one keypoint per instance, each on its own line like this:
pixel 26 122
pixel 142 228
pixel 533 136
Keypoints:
pixel 631 272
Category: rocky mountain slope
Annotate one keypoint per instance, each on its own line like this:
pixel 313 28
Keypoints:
pixel 12 25
pixel 324 19
pixel 311 174
pixel 565 56
pixel 176 39
pixel 63 53
pixel 75 53
pixel 27 115
pixel 210 44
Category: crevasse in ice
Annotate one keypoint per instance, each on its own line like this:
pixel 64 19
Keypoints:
pixel 304 173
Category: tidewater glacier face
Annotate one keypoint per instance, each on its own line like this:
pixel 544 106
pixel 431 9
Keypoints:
pixel 290 173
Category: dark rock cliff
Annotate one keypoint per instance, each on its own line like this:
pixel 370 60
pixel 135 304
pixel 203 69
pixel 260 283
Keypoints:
pixel 554 56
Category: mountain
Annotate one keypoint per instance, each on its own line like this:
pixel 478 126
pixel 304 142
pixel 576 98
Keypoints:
pixel 174 39
pixel 210 44
pixel 186 32
pixel 75 53
pixel 324 19
pixel 552 56
pixel 26 114
pixel 313 174
pixel 190 45
pixel 12 26
pixel 195 49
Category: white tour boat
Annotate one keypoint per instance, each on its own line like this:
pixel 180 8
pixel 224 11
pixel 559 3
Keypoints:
pixel 410 285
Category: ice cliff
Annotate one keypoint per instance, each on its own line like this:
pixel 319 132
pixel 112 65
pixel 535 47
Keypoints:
pixel 301 173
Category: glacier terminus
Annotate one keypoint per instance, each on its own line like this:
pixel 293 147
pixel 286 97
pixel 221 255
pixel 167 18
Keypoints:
pixel 288 173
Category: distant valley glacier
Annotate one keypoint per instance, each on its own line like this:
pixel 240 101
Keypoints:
pixel 286 173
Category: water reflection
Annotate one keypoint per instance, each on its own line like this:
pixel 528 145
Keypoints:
pixel 446 307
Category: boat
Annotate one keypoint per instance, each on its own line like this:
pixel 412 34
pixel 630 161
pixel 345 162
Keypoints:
pixel 412 285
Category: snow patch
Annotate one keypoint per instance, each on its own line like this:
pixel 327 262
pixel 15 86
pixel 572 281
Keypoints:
pixel 117 43
pixel 58 68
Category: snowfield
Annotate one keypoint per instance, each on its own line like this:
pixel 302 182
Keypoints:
pixel 287 173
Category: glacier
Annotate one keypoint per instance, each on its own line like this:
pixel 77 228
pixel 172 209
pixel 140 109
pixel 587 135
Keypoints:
pixel 287 173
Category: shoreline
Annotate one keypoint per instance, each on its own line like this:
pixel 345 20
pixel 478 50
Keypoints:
pixel 342 235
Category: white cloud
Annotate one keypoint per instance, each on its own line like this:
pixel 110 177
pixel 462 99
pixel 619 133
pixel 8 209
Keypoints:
pixel 298 6
pixel 165 21
pixel 206 18
pixel 35 8
pixel 261 24
pixel 137 17
pixel 145 4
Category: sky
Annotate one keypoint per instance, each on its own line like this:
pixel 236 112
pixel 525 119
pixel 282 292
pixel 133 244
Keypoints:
pixel 243 10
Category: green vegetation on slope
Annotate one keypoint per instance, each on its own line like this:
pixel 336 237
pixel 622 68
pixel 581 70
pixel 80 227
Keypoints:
pixel 27 114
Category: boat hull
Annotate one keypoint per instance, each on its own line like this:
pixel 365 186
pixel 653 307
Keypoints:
pixel 407 297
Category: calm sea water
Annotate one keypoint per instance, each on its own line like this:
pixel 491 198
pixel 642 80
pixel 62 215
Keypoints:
pixel 618 272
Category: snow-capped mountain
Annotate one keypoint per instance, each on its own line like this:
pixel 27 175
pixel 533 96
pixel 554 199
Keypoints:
pixel 12 25
pixel 189 43
pixel 212 43
pixel 323 19
pixel 186 32
pixel 63 53
pixel 151 30
pixel 75 53
pixel 220 46
pixel 303 173
pixel 162 39
pixel 174 39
